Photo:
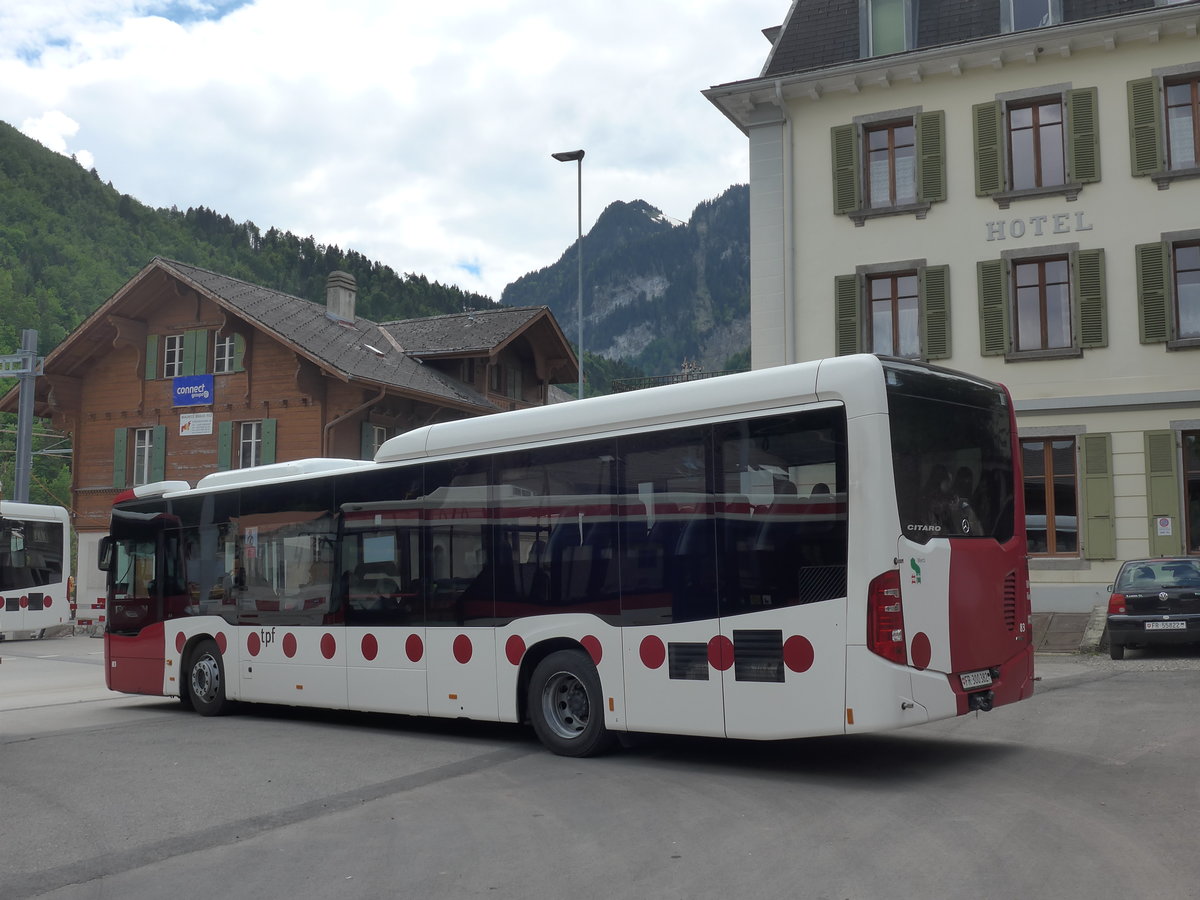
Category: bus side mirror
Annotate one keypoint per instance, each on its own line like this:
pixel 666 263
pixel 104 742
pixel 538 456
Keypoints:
pixel 105 557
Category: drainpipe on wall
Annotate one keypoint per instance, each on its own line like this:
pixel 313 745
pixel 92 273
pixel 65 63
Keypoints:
pixel 789 250
pixel 329 426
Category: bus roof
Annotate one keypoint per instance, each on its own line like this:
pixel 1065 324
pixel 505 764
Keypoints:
pixel 34 511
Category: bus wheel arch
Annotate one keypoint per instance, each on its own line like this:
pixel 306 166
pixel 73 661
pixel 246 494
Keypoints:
pixel 564 701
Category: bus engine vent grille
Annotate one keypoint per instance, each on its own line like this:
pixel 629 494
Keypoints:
pixel 1010 601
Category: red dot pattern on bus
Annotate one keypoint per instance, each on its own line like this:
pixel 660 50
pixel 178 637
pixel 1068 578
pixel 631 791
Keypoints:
pixel 47 601
pixel 653 652
pixel 414 648
pixel 370 647
pixel 514 649
pixel 463 649
pixel 921 652
pixel 595 649
pixel 180 640
pixel 798 653
pixel 720 653
pixel 24 603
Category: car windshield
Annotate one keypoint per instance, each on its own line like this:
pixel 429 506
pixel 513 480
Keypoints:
pixel 1157 574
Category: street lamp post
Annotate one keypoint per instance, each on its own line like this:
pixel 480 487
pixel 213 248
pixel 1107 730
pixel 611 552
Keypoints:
pixel 576 156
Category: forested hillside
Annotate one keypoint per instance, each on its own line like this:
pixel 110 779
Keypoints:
pixel 68 241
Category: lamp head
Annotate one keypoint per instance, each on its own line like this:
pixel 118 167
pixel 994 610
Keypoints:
pixel 568 155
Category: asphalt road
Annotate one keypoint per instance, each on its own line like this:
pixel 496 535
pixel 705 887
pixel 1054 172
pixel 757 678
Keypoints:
pixel 1089 789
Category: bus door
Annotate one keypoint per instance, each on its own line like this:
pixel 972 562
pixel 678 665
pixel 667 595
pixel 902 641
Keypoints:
pixel 668 583
pixel 782 561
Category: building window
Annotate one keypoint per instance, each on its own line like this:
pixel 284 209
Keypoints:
pixel 1183 122
pixel 889 164
pixel 172 356
pixel 1033 307
pixel 894 311
pixel 1191 489
pixel 1021 15
pixel 894 314
pixel 1168 283
pixel 373 437
pixel 250 444
pixel 143 453
pixel 889 26
pixel 1051 496
pixel 1036 145
pixel 223 355
pixel 1042 291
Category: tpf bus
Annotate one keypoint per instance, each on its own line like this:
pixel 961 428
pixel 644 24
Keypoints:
pixel 35 562
pixel 830 547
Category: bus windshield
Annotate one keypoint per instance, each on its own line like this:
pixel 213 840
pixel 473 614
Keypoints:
pixel 952 455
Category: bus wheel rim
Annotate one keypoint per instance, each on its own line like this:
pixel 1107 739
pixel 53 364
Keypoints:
pixel 206 679
pixel 565 705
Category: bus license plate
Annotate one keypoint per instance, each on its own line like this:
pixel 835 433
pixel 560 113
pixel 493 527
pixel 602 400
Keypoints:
pixel 972 680
pixel 1166 626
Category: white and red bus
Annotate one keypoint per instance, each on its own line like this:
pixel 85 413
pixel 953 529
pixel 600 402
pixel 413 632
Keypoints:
pixel 35 564
pixel 825 548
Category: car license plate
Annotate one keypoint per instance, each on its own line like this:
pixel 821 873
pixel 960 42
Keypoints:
pixel 971 680
pixel 1166 626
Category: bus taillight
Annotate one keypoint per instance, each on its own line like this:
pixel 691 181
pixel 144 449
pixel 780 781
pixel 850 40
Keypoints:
pixel 885 618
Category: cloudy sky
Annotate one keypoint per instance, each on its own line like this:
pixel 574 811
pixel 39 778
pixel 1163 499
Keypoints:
pixel 414 131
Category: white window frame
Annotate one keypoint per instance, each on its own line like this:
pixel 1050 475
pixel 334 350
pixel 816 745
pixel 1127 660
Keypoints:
pixel 224 350
pixel 173 355
pixel 1008 13
pixel 143 455
pixel 250 441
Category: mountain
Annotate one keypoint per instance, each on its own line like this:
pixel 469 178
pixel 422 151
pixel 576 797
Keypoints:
pixel 656 292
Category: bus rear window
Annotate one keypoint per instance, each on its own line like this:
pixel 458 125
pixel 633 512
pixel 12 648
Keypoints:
pixel 952 455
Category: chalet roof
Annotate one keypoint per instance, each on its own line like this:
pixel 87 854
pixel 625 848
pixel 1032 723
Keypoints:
pixel 385 355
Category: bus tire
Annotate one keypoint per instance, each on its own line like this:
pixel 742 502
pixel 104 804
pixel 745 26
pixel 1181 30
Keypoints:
pixel 206 680
pixel 565 705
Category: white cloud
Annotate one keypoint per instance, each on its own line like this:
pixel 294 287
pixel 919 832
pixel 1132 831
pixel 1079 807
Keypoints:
pixel 418 134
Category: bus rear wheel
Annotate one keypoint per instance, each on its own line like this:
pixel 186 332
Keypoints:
pixel 206 680
pixel 565 705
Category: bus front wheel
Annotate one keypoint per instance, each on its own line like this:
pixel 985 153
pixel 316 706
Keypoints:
pixel 206 680
pixel 565 705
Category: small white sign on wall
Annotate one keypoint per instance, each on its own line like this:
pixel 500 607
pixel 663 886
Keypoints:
pixel 1164 526
pixel 191 424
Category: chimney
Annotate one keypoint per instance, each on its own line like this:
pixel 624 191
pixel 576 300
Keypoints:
pixel 340 294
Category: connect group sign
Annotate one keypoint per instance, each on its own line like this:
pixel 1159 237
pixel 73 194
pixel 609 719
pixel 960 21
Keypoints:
pixel 193 390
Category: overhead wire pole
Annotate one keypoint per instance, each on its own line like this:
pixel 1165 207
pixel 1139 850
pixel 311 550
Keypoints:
pixel 576 156
pixel 24 365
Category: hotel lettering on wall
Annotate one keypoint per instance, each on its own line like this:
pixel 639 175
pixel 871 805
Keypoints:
pixel 1037 226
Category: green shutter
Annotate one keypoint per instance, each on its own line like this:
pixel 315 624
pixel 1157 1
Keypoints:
pixel 993 307
pixel 1146 144
pixel 847 304
pixel 931 156
pixel 224 446
pixel 1162 493
pixel 158 453
pixel 195 352
pixel 1154 319
pixel 151 357
pixel 239 352
pixel 935 320
pixel 1090 298
pixel 120 458
pixel 989 157
pixel 846 179
pixel 268 440
pixel 1099 528
pixel 1083 136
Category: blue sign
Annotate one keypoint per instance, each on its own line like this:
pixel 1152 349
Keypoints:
pixel 194 390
